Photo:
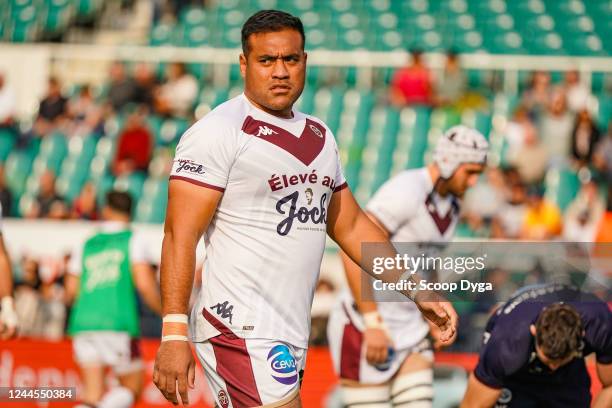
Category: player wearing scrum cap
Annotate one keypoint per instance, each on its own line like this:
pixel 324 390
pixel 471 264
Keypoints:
pixel 8 316
pixel 380 349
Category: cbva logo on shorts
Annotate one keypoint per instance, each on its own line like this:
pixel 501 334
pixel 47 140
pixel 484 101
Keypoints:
pixel 283 365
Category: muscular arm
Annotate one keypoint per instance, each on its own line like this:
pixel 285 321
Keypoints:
pixel 353 277
pixel 190 209
pixel 146 284
pixel 604 398
pixel 349 226
pixel 479 395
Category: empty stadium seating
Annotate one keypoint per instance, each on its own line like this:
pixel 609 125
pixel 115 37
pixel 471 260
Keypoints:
pixel 542 27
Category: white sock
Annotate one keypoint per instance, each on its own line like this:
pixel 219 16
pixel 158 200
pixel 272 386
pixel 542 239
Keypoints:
pixel 117 397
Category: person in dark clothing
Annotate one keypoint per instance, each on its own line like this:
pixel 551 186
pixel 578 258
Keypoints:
pixel 534 349
pixel 584 138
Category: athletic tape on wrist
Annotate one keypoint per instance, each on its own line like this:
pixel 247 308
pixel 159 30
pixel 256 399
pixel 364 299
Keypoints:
pixel 372 320
pixel 175 327
pixel 174 337
pixel 176 318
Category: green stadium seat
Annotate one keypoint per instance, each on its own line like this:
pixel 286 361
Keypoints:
pixel 132 184
pixel 561 186
pixel 17 169
pixel 151 206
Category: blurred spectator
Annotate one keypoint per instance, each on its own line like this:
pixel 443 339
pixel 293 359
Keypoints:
pixel 453 83
pixel 556 126
pixel 583 215
pixel 27 299
pixel 51 110
pixel 85 206
pixel 531 159
pixel 6 197
pixel 146 83
pixel 584 138
pixel 537 96
pixel 121 89
pixel 8 104
pixel 48 203
pixel 602 158
pixel 412 85
pixel 53 105
pixel 517 128
pixel 578 95
pixel 508 221
pixel 542 219
pixel 486 197
pixel 134 146
pixel 85 113
pixel 177 95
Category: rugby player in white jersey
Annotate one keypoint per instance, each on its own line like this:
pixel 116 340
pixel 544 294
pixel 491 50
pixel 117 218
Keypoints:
pixel 8 316
pixel 263 183
pixel 380 349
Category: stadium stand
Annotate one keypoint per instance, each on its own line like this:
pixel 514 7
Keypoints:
pixel 375 139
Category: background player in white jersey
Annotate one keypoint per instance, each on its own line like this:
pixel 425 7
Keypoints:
pixel 8 316
pixel 380 349
pixel 264 184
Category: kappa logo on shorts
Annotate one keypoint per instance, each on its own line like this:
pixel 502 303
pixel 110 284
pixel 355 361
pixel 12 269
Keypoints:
pixel 283 365
pixel 190 166
pixel 223 399
pixel 224 310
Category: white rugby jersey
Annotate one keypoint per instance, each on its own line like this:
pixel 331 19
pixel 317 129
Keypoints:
pixel 265 242
pixel 412 212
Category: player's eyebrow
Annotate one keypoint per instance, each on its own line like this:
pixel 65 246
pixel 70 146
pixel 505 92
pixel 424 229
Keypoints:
pixel 288 57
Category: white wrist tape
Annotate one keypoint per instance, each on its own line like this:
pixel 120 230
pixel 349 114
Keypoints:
pixel 176 318
pixel 372 320
pixel 175 337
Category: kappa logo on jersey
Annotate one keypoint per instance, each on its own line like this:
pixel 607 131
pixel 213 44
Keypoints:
pixel 190 166
pixel 288 206
pixel 224 310
pixel 283 365
pixel 265 131
pixel 223 399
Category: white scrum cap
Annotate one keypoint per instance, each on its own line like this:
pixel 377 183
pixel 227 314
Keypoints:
pixel 459 144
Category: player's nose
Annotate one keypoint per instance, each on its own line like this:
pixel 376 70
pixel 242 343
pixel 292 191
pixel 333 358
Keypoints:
pixel 280 70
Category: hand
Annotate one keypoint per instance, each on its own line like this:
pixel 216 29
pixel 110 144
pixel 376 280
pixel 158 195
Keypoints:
pixel 441 313
pixel 377 345
pixel 435 334
pixel 174 364
pixel 8 319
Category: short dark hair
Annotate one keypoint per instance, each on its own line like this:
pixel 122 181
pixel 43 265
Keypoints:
pixel 120 201
pixel 559 331
pixel 267 21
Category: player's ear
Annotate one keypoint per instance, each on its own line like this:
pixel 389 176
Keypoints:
pixel 243 63
pixel 532 329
